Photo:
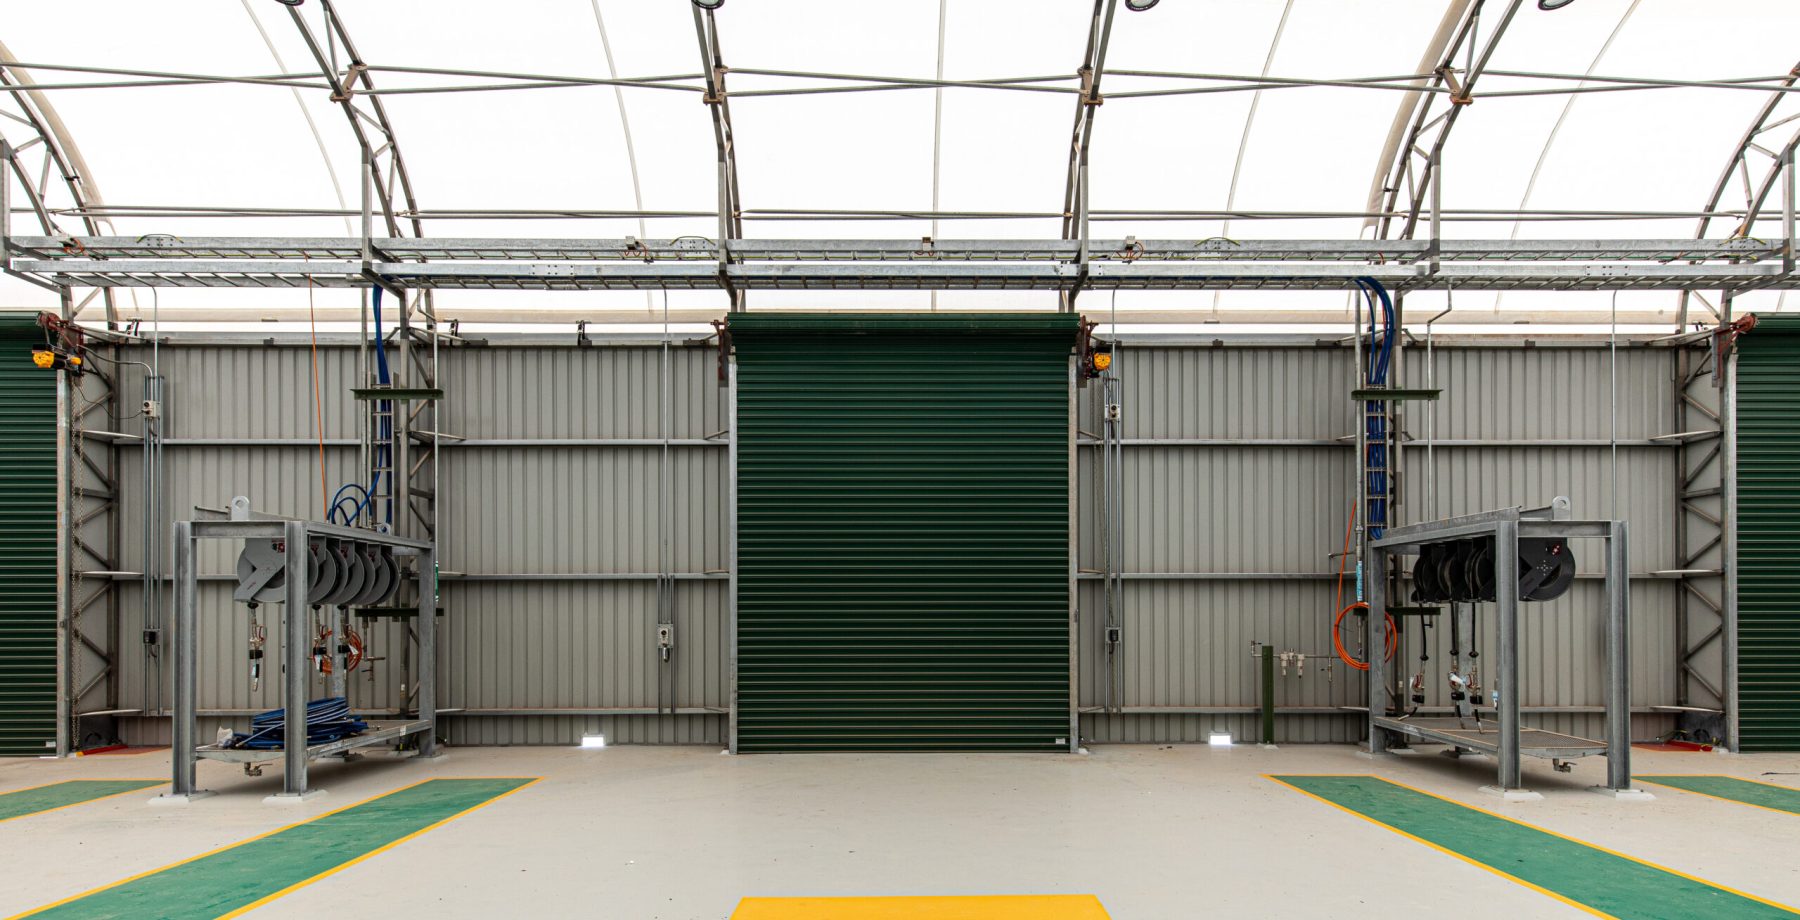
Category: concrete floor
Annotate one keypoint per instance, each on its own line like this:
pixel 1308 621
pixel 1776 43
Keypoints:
pixel 664 833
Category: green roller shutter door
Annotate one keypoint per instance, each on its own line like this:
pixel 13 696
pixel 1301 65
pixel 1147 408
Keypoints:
pixel 1768 483
pixel 27 545
pixel 903 532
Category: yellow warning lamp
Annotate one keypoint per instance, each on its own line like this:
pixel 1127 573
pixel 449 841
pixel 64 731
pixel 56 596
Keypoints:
pixel 1102 361
pixel 53 360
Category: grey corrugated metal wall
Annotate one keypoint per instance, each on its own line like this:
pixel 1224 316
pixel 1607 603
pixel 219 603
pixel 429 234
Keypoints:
pixel 547 549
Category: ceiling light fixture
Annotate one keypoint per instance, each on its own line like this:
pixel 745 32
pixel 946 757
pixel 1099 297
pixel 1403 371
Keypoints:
pixel 1138 6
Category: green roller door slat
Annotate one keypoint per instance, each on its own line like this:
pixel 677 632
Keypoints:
pixel 1768 490
pixel 903 532
pixel 27 544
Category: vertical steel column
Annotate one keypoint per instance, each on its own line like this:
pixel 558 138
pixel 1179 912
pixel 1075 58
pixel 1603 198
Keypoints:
pixel 1726 365
pixel 1787 210
pixel 731 538
pixel 1618 661
pixel 1074 567
pixel 65 552
pixel 1375 648
pixel 1506 677
pixel 427 679
pixel 186 649
pixel 294 648
pixel 6 155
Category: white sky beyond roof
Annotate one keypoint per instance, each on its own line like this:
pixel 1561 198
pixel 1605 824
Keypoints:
pixel 1314 149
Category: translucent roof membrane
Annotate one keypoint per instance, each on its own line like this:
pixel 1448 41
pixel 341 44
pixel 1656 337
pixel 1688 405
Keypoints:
pixel 554 161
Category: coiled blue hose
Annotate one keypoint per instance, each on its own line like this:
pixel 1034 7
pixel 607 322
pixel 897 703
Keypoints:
pixel 327 720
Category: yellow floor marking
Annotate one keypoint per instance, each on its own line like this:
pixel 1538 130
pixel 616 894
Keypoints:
pixel 979 907
pixel 271 833
pixel 1651 779
pixel 1644 862
pixel 109 779
pixel 383 849
pixel 1420 840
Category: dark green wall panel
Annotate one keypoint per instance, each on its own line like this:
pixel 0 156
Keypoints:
pixel 27 545
pixel 903 532
pixel 1768 485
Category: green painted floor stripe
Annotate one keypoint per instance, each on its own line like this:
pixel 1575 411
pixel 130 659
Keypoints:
pixel 1779 798
pixel 59 795
pixel 1587 876
pixel 236 877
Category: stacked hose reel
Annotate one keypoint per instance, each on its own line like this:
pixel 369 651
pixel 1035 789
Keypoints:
pixel 1463 571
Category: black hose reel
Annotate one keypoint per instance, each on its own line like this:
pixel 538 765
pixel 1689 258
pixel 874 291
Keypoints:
pixel 346 573
pixel 1462 571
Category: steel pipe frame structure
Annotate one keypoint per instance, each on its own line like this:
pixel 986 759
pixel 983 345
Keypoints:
pixel 1506 527
pixel 296 643
pixel 89 538
pixel 1701 511
pixel 1732 266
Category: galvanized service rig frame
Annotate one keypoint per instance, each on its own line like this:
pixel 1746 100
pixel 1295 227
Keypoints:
pixel 1508 742
pixel 296 650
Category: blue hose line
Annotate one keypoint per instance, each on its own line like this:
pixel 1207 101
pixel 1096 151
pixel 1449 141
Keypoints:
pixel 327 720
pixel 384 377
pixel 1375 373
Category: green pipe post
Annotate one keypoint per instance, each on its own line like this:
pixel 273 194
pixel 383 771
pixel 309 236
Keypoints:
pixel 1268 694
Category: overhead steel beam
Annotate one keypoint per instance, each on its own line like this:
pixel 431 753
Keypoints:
pixel 1075 184
pixel 693 250
pixel 731 222
pixel 1054 276
pixel 1410 166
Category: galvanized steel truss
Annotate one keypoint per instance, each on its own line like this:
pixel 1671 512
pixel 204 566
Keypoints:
pixel 1054 265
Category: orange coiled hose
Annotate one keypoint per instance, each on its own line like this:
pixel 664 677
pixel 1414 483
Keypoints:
pixel 1337 625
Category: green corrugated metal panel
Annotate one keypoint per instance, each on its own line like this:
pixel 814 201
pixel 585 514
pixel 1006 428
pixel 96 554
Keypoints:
pixel 903 532
pixel 1768 483
pixel 27 545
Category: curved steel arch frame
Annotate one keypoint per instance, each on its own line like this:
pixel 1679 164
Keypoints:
pixel 345 87
pixel 1412 165
pixel 60 154
pixel 1749 148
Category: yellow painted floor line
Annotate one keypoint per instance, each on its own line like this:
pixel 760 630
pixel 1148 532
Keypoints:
pixel 240 877
pixel 1752 792
pixel 1591 878
pixel 976 907
pixel 37 800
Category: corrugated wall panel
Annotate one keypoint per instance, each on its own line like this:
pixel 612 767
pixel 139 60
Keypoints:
pixel 28 538
pixel 1257 509
pixel 903 532
pixel 1768 497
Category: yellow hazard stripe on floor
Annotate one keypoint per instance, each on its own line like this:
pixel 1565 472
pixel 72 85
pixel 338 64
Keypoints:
pixel 980 907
